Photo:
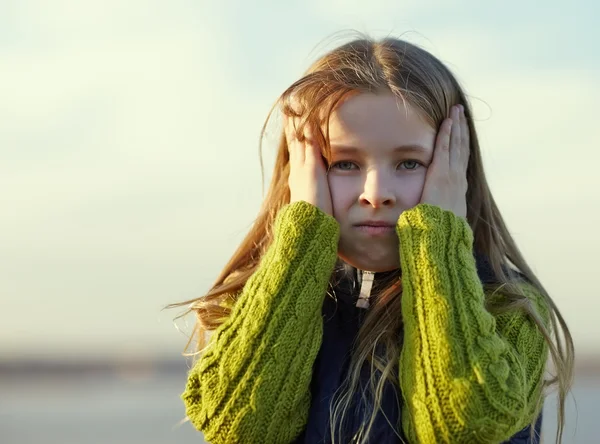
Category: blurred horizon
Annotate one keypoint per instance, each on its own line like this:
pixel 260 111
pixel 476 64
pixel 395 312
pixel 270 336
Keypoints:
pixel 130 404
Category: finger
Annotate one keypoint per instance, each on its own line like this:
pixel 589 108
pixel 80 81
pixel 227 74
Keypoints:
pixel 442 145
pixel 295 147
pixel 466 140
pixel 288 137
pixel 295 105
pixel 312 149
pixel 455 139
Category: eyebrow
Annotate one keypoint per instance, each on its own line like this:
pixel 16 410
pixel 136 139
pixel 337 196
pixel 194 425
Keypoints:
pixel 414 148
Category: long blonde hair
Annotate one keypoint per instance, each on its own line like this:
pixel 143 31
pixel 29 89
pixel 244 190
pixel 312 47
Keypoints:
pixel 420 79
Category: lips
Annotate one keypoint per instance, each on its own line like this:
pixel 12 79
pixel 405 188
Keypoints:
pixel 375 228
pixel 374 223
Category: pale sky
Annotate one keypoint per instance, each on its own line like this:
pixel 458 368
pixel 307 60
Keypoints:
pixel 129 160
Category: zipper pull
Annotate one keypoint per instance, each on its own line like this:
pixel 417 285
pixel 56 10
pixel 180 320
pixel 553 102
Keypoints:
pixel 365 289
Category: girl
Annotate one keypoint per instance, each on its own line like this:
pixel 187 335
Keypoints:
pixel 379 297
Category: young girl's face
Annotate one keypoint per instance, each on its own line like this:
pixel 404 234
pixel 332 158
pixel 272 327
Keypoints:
pixel 380 153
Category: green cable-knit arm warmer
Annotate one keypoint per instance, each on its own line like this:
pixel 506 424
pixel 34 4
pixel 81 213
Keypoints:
pixel 252 384
pixel 466 375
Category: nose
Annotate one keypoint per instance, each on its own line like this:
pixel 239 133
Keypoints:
pixel 377 191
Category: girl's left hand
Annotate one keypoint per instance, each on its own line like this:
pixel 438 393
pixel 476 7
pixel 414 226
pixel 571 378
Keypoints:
pixel 446 179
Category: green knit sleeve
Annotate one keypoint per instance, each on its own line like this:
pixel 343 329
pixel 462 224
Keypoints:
pixel 466 376
pixel 252 382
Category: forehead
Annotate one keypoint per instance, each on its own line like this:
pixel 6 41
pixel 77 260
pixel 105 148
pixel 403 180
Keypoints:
pixel 378 121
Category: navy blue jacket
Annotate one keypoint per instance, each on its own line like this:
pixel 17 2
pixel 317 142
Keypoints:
pixel 341 321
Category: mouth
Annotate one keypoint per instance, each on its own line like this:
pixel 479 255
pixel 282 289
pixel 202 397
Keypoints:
pixel 375 227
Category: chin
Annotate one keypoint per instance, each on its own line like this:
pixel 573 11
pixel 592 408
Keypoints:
pixel 365 263
pixel 377 257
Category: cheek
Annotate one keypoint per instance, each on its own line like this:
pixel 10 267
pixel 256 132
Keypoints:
pixel 344 192
pixel 410 188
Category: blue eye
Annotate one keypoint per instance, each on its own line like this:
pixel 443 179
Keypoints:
pixel 344 166
pixel 410 164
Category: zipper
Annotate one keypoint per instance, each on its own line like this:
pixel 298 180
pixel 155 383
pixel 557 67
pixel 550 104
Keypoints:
pixel 366 285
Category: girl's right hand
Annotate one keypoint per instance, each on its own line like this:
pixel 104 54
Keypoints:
pixel 308 176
